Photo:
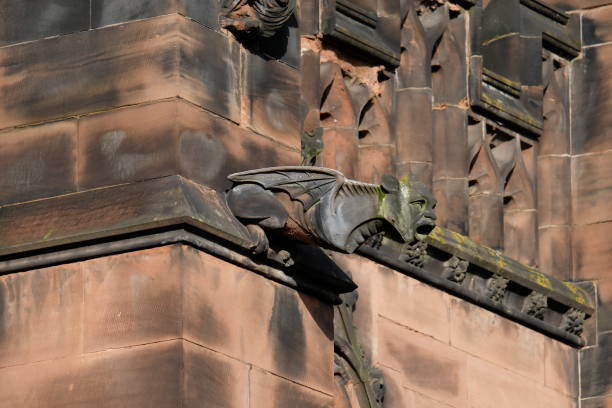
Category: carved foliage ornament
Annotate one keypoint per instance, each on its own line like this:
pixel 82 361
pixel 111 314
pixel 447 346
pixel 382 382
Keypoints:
pixel 319 205
pixel 262 17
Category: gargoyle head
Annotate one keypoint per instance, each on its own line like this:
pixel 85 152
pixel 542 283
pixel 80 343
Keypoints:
pixel 408 206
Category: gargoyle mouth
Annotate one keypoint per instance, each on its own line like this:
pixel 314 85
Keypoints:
pixel 424 226
pixel 363 232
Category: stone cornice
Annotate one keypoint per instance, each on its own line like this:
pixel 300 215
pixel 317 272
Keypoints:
pixel 481 275
pixel 146 214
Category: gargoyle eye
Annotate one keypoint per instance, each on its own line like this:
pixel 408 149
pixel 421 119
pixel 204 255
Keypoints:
pixel 422 203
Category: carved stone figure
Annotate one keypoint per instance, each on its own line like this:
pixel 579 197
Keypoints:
pixel 455 269
pixel 319 205
pixel 262 17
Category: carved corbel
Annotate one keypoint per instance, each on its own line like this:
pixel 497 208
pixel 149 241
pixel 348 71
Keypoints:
pixel 261 17
pixel 320 206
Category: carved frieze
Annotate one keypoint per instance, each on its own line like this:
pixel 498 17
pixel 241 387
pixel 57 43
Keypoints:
pixel 496 287
pixel 455 270
pixel 573 321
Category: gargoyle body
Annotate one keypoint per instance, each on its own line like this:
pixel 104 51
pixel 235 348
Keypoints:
pixel 319 205
pixel 262 17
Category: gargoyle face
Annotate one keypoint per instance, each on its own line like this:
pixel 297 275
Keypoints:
pixel 408 206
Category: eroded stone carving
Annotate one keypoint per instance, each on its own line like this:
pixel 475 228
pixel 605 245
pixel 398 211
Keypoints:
pixel 319 205
pixel 535 305
pixel 361 383
pixel 455 269
pixel 496 287
pixel 573 321
pixel 414 253
pixel 262 17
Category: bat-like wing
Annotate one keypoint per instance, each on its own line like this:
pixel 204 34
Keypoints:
pixel 305 184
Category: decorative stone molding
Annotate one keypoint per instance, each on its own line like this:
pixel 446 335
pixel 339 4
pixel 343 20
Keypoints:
pixel 483 276
pixel 260 17
pixel 362 383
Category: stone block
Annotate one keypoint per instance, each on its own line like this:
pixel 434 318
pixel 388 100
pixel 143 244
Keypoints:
pixel 119 65
pixel 561 368
pixel 340 151
pixel 521 236
pixel 592 100
pixel 212 379
pixel 485 218
pixel 269 391
pixel 412 304
pixel 596 368
pixel 142 376
pixel 555 251
pixel 414 125
pixel 132 298
pixel 38 161
pixel 498 340
pixel 603 402
pixel 273 105
pixel 596 27
pixel 106 12
pixel 493 386
pixel 35 19
pixel 569 5
pixel 604 303
pixel 449 66
pixel 452 207
pixel 179 138
pixel 450 149
pixel 250 318
pixel 427 366
pixel 419 171
pixel 374 161
pixel 554 190
pixel 41 315
pixel 591 250
pixel 592 194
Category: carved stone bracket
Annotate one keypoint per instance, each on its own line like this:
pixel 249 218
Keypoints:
pixel 496 287
pixel 261 17
pixel 455 270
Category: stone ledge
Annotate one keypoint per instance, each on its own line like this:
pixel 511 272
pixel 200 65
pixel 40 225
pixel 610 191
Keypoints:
pixel 483 276
pixel 146 214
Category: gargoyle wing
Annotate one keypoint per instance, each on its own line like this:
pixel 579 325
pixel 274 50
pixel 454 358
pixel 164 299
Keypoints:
pixel 305 184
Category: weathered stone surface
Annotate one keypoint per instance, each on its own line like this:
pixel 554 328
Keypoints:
pixel 596 25
pixel 486 220
pixel 449 68
pixel 452 207
pixel 142 376
pixel 243 315
pixel 493 338
pixel 554 190
pixel 555 251
pixel 490 385
pixel 521 236
pixel 38 161
pixel 179 138
pixel 132 298
pixel 414 125
pixel 569 5
pixel 119 65
pixel 411 303
pixel 604 315
pixel 106 12
pixel 340 151
pixel 592 100
pixel 213 379
pixel 561 368
pixel 428 366
pixel 41 315
pixel 375 161
pixel 591 250
pixel 272 99
pixel 450 149
pixel 603 402
pixel 270 391
pixel 592 193
pixel 419 171
pixel 34 19
pixel 596 368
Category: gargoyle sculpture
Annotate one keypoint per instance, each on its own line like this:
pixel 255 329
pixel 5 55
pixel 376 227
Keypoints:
pixel 263 17
pixel 319 205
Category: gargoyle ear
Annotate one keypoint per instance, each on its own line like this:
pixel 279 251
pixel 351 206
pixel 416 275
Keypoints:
pixel 389 183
